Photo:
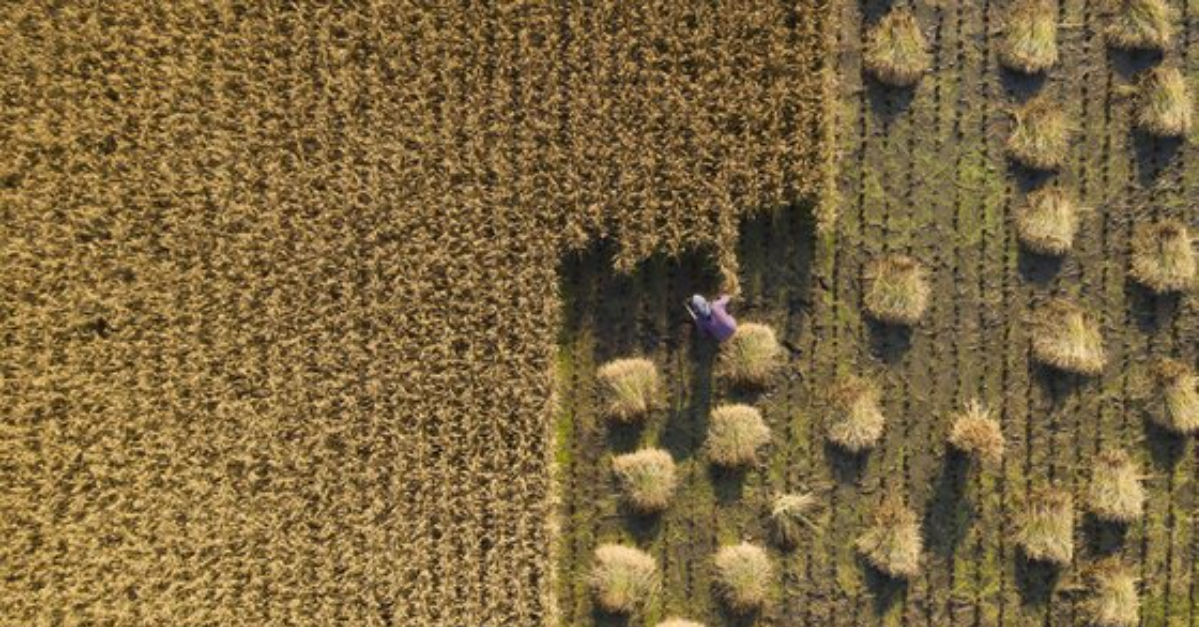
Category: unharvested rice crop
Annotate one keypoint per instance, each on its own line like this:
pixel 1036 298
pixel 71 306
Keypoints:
pixel 1048 221
pixel 647 479
pixel 751 356
pixel 631 388
pixel 855 422
pixel 1116 493
pixel 1068 338
pixel 623 578
pixel 1048 527
pixel 1164 257
pixel 736 432
pixel 892 544
pixel 976 433
pixel 898 290
pixel 897 53
pixel 744 575
pixel 1030 42
pixel 280 282
pixel 1113 599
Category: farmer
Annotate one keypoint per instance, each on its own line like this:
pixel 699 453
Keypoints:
pixel 711 317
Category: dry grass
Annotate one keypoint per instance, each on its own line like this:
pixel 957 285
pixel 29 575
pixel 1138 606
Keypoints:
pixel 1116 493
pixel 1068 338
pixel 1164 257
pixel 1165 106
pixel 790 515
pixel 1174 405
pixel 892 544
pixel 735 434
pixel 623 579
pixel 1041 135
pixel 1048 527
pixel 897 290
pixel 1048 221
pixel 751 356
pixel 1141 25
pixel 1114 595
pixel 897 53
pixel 679 622
pixel 1030 43
pixel 744 576
pixel 976 433
pixel 647 479
pixel 855 422
pixel 630 388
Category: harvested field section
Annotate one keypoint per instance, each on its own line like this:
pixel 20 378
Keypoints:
pixel 925 173
pixel 280 301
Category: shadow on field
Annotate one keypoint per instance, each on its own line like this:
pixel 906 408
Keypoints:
pixel 946 523
pixel 846 467
pixel 1035 581
pixel 1103 537
pixel 886 591
pixel 1019 86
pixel 889 342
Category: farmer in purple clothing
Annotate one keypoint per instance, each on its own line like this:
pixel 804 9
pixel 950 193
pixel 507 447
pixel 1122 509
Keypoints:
pixel 711 318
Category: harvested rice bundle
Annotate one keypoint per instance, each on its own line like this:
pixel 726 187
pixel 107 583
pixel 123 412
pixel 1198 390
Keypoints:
pixel 1116 493
pixel 855 422
pixel 1165 107
pixel 1048 530
pixel 1041 136
pixel 1068 338
pixel 1048 221
pixel 744 574
pixel 1141 25
pixel 751 356
pixel 1030 42
pixel 896 52
pixel 623 578
pixel 892 544
pixel 1175 405
pixel 789 514
pixel 647 479
pixel 1114 595
pixel 1164 257
pixel 897 290
pixel 630 389
pixel 735 433
pixel 976 433
pixel 679 622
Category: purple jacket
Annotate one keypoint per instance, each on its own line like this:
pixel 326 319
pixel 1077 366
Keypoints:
pixel 720 325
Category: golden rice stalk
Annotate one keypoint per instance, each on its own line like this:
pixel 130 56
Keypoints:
pixel 976 433
pixel 1114 595
pixel 892 545
pixel 623 578
pixel 630 389
pixel 1041 135
pixel 1068 338
pixel 855 422
pixel 1048 221
pixel 1030 42
pixel 1048 529
pixel 897 290
pixel 1165 106
pixel 897 53
pixel 1175 406
pixel 679 622
pixel 735 433
pixel 1116 493
pixel 744 575
pixel 751 356
pixel 647 479
pixel 1141 25
pixel 1164 257
pixel 789 514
